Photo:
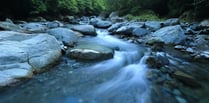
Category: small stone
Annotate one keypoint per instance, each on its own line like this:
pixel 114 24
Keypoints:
pixel 180 47
pixel 190 50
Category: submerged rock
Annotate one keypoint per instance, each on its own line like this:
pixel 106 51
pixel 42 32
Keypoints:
pixel 22 54
pixel 90 52
pixel 186 78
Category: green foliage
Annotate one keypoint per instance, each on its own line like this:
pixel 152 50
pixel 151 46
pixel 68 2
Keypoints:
pixel 67 7
pixel 169 8
pixel 39 6
pixel 146 16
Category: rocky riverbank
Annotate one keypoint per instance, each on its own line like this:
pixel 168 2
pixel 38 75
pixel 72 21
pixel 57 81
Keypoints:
pixel 28 48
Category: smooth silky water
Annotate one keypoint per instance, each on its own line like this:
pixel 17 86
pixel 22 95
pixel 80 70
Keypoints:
pixel 117 80
pixel 121 79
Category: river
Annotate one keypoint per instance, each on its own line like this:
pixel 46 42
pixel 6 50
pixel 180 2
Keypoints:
pixel 121 79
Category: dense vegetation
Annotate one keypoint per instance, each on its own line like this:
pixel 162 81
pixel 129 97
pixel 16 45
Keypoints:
pixel 25 8
pixel 192 9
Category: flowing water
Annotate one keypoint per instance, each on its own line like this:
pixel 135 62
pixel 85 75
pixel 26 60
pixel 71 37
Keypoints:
pixel 117 80
pixel 121 79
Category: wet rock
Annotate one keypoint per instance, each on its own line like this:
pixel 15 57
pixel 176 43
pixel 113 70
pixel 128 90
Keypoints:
pixel 66 36
pixel 85 29
pixel 204 24
pixel 7 76
pixel 158 92
pixel 190 50
pixel 154 40
pixel 23 54
pixel 117 19
pixel 185 49
pixel 129 27
pixel 168 35
pixel 103 24
pixel 157 46
pixel 186 78
pixel 155 76
pixel 201 41
pixel 115 26
pixel 9 26
pixel 9 21
pixel 171 22
pixel 70 19
pixel 153 25
pixel 34 27
pixel 202 56
pixel 157 60
pixel 100 23
pixel 140 32
pixel 89 51
pixel 180 47
pixel 84 20
pixel 54 24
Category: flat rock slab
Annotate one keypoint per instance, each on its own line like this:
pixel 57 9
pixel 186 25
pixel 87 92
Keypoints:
pixel 90 52
pixel 85 29
pixel 22 54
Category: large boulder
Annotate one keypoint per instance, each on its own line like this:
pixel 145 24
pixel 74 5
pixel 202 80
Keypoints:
pixel 90 51
pixel 22 54
pixel 140 32
pixel 171 22
pixel 64 35
pixel 168 35
pixel 85 29
pixel 100 23
pixel 153 25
